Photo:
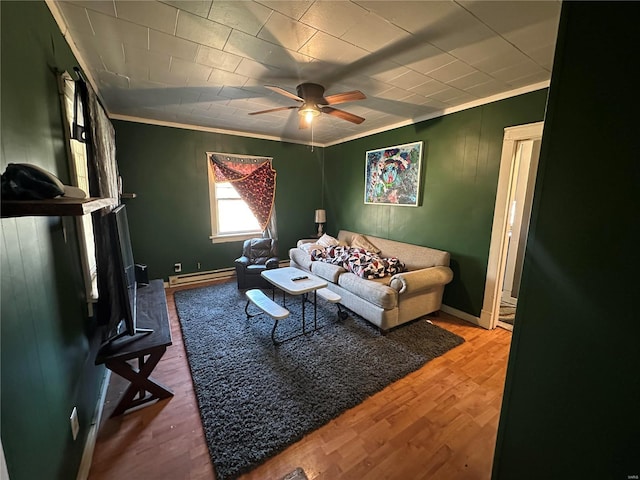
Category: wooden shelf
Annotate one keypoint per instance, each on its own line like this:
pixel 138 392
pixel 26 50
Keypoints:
pixel 53 207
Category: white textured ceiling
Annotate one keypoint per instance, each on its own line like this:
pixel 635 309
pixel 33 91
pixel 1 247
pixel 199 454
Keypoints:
pixel 205 63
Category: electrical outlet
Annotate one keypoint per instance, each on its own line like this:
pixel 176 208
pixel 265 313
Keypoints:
pixel 177 267
pixel 75 424
pixel 198 265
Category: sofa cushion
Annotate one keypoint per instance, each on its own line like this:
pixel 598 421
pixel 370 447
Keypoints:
pixel 309 247
pixel 327 271
pixel 374 292
pixel 327 241
pixel 360 241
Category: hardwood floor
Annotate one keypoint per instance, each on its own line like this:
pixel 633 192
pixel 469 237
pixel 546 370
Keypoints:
pixel 439 422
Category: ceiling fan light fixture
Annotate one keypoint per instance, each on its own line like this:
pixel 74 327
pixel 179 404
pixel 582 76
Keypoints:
pixel 309 112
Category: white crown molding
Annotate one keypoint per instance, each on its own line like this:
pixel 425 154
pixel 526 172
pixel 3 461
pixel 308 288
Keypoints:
pixel 186 126
pixel 441 113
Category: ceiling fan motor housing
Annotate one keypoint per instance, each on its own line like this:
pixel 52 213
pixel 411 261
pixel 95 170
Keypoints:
pixel 311 93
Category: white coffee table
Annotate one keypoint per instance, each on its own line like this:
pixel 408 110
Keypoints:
pixel 282 278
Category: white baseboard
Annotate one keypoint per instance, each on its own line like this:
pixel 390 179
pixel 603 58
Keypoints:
pixel 195 278
pixel 505 325
pixel 92 436
pixel 465 316
pixel 485 318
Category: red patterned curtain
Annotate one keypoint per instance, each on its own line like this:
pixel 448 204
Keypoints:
pixel 253 178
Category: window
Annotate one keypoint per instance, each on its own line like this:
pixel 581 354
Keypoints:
pixel 233 213
pixel 231 218
pixel 77 154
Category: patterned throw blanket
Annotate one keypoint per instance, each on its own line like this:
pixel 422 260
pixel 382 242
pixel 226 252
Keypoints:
pixel 363 263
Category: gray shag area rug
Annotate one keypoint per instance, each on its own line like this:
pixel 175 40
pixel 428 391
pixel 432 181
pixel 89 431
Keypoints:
pixel 507 314
pixel 257 398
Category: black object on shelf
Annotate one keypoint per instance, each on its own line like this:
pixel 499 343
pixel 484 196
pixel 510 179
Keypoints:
pixel 142 274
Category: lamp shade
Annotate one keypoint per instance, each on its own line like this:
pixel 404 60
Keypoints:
pixel 321 216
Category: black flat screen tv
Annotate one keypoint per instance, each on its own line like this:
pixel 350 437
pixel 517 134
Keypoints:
pixel 125 278
pixel 127 268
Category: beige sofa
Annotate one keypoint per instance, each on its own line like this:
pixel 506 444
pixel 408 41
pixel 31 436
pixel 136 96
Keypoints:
pixel 390 301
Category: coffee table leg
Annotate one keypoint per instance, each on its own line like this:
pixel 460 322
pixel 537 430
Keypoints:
pixel 315 304
pixel 304 300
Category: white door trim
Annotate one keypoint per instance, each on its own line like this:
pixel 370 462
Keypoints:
pixel 498 247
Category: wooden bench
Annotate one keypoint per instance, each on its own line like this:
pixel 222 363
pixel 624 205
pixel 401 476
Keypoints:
pixel 332 297
pixel 266 305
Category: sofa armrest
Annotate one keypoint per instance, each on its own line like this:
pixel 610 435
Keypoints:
pixel 423 279
pixel 300 257
pixel 273 262
pixel 243 261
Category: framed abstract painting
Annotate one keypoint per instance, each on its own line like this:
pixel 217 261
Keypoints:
pixel 392 175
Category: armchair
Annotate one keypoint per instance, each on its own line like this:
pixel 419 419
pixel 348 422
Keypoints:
pixel 258 254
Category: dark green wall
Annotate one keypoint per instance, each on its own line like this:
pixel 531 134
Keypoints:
pixel 47 339
pixel 571 407
pixel 170 218
pixel 461 160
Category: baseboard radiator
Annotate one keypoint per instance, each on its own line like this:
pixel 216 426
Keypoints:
pixel 200 277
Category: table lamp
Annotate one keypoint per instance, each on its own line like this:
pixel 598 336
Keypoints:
pixel 321 218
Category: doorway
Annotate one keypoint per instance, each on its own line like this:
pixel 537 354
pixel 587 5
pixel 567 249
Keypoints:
pixel 516 181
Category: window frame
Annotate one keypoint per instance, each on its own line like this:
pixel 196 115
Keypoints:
pixel 84 224
pixel 216 236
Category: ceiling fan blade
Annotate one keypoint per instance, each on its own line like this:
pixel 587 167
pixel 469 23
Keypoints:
pixel 350 117
pixel 345 97
pixel 273 110
pixel 282 91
